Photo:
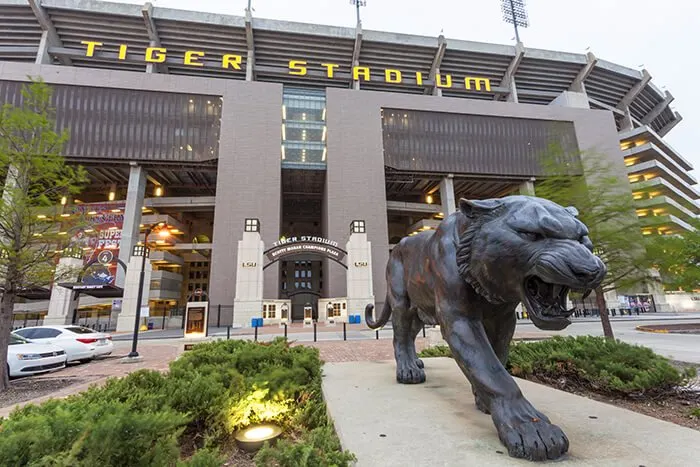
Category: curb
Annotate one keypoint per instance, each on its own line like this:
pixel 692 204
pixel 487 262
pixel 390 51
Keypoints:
pixel 655 331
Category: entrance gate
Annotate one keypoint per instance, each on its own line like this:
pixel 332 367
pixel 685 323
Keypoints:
pixel 253 258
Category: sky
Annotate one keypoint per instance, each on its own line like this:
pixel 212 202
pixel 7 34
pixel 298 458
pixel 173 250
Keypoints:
pixel 651 34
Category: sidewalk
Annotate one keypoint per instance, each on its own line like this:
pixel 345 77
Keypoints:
pixel 436 423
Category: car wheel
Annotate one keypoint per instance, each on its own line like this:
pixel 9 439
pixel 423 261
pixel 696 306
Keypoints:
pixel 86 360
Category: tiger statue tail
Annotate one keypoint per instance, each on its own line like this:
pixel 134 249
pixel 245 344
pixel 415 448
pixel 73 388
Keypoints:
pixel 381 320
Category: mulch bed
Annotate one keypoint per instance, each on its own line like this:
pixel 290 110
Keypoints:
pixel 681 328
pixel 29 388
pixel 673 407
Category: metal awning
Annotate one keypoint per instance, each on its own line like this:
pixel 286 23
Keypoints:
pixel 97 291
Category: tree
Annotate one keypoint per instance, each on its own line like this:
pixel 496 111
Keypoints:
pixel 36 175
pixel 603 198
pixel 677 258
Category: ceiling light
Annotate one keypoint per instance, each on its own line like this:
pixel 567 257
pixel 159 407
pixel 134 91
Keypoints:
pixel 429 199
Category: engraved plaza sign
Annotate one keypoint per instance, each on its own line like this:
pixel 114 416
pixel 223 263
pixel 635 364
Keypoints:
pixel 198 58
pixel 305 244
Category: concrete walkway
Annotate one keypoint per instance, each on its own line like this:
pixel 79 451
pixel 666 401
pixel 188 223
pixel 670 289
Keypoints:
pixel 436 424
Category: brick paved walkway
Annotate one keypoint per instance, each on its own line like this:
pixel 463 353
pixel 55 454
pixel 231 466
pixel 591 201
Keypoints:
pixel 155 356
pixel 158 354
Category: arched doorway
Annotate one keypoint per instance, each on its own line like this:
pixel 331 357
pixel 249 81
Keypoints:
pixel 301 271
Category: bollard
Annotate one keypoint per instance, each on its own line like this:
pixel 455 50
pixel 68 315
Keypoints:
pixel 218 317
pixel 423 329
pixel 345 332
pixel 256 333
pixel 285 330
pixel 377 334
pixel 228 332
pixel 314 331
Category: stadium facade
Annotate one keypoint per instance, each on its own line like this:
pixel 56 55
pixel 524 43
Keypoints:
pixel 288 158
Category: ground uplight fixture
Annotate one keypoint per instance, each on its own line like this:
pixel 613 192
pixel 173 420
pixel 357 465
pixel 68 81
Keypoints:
pixel 515 13
pixel 253 437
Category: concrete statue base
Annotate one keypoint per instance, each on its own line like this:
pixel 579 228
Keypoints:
pixel 437 423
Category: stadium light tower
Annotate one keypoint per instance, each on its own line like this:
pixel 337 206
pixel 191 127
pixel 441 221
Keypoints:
pixel 514 12
pixel 358 4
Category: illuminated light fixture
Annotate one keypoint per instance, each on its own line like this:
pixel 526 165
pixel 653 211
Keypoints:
pixel 303 116
pixel 160 242
pixel 64 200
pixel 164 233
pixel 116 210
pixel 77 201
pixel 92 213
pixel 191 101
pixel 41 216
pixel 175 231
pixel 141 225
pixel 283 154
pixel 429 199
pixel 189 148
pixel 325 150
pixel 323 115
pixel 325 131
pixel 62 233
pixel 113 228
pixel 252 438
pixel 284 133
pixel 159 191
pixel 112 192
pixel 209 102
pixel 284 112
pixel 37 235
pixel 65 215
pixel 88 230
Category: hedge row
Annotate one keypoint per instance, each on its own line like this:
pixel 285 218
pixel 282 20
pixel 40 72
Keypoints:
pixel 184 417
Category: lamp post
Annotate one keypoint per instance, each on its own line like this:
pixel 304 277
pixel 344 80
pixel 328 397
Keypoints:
pixel 142 275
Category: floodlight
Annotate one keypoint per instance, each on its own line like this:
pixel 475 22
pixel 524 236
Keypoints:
pixel 514 12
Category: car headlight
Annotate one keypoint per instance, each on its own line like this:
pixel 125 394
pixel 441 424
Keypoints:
pixel 28 356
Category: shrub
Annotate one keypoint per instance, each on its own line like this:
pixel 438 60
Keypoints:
pixel 598 364
pixel 317 448
pixel 204 458
pixel 146 418
pixel 436 351
pixel 64 433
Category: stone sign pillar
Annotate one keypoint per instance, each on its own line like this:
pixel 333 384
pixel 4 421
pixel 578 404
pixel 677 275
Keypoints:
pixel 360 291
pixel 125 322
pixel 249 275
pixel 63 301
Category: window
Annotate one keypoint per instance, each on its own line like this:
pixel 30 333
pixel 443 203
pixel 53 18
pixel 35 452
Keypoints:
pixel 45 333
pixel 304 131
pixel 79 330
pixel 270 311
pixel 26 333
pixel 252 225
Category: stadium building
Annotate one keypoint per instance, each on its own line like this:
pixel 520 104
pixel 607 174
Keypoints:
pixel 288 158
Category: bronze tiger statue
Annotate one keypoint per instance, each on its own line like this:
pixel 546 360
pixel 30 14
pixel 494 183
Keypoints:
pixel 468 276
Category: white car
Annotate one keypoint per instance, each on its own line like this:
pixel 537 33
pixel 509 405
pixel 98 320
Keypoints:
pixel 81 344
pixel 25 358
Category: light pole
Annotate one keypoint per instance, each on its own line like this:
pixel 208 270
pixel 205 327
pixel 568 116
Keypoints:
pixel 142 275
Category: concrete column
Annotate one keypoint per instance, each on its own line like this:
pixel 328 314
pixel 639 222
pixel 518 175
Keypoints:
pixel 527 188
pixel 63 301
pixel 355 185
pixel 125 322
pixel 132 218
pixel 447 195
pixel 572 99
pixel 249 279
pixel 248 183
pixel 359 276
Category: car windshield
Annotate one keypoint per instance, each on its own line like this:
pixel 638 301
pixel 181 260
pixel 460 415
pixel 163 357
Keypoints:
pixel 79 330
pixel 15 340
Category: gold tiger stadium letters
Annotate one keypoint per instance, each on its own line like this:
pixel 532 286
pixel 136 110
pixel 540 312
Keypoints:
pixel 194 58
